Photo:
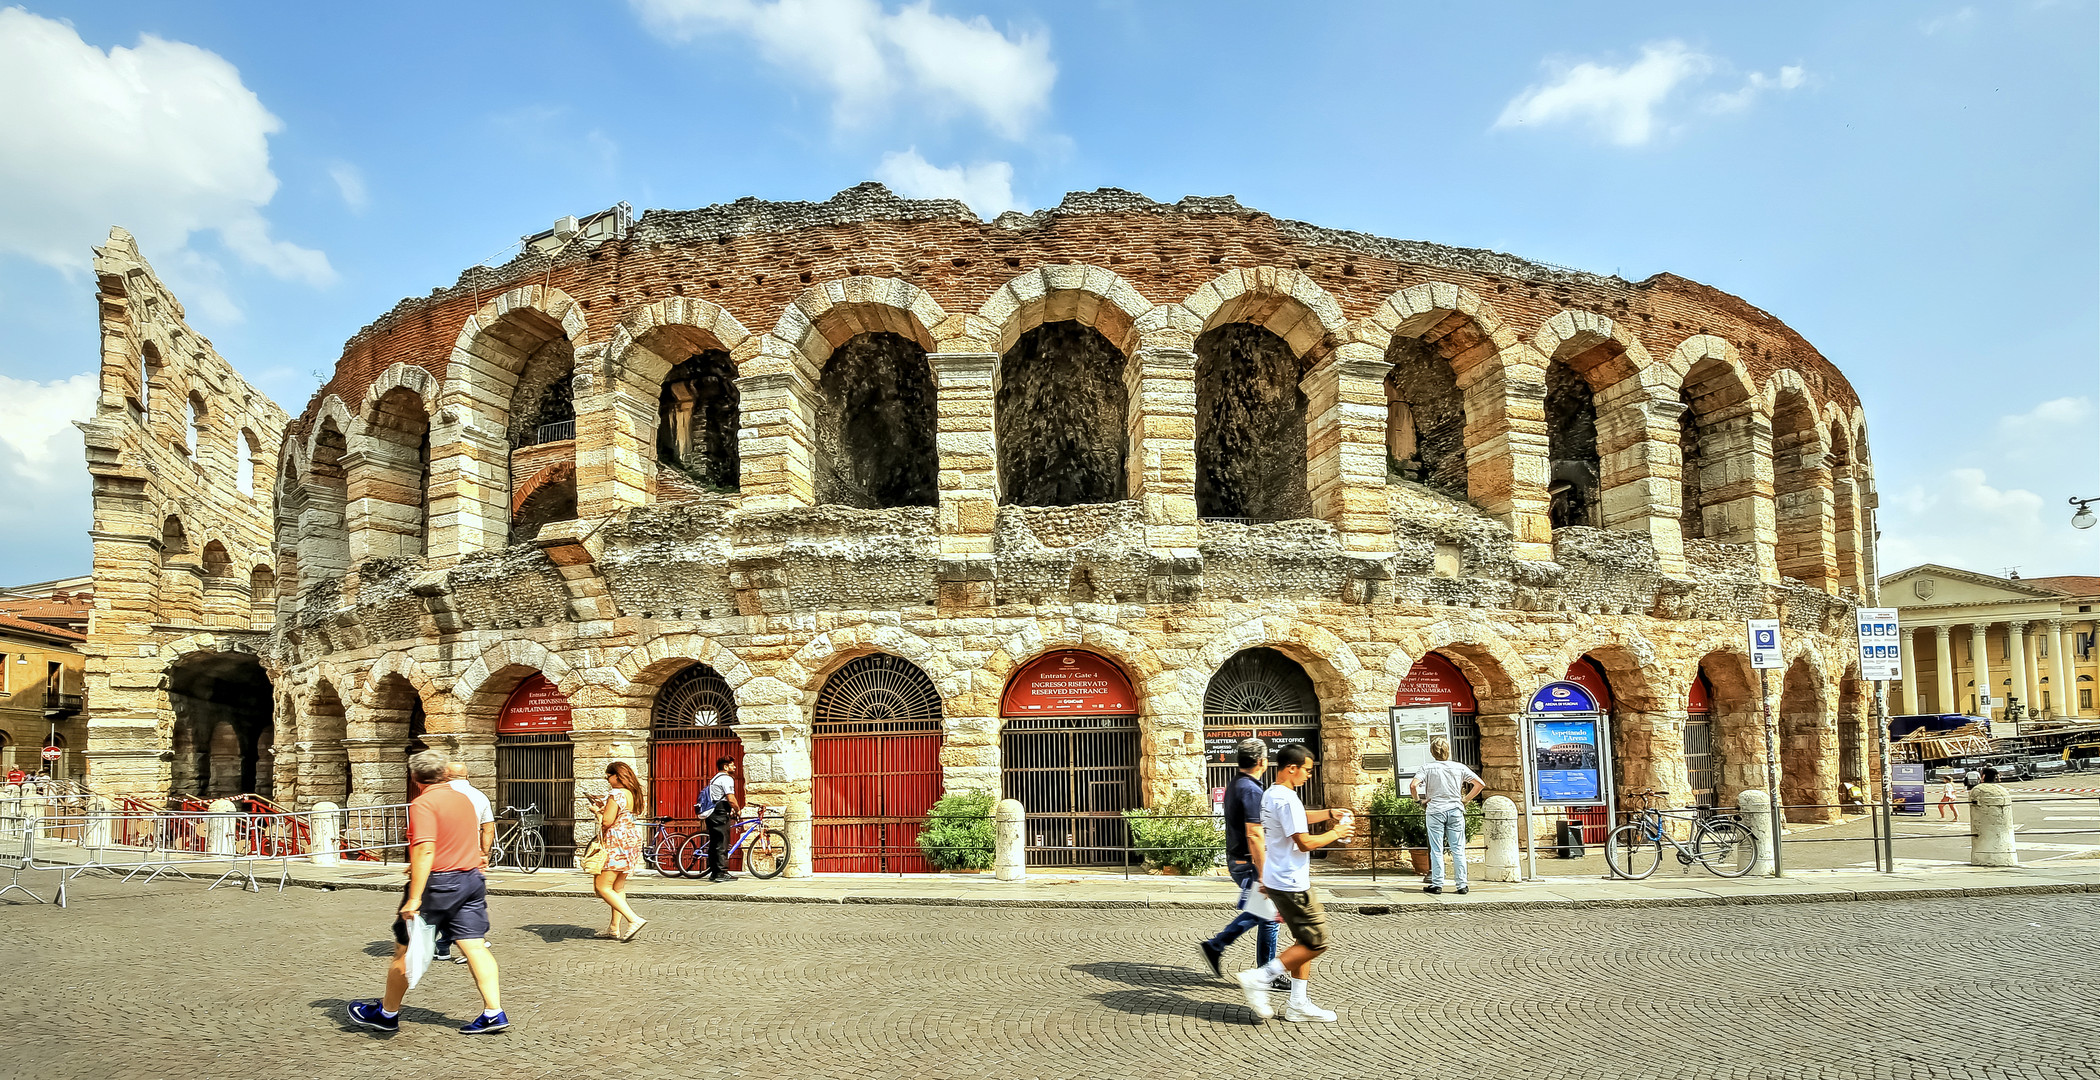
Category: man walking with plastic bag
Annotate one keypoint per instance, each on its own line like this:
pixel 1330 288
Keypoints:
pixel 445 888
pixel 1243 860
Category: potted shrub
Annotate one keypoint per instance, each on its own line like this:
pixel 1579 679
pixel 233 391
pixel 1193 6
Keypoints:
pixel 1178 836
pixel 1401 823
pixel 959 834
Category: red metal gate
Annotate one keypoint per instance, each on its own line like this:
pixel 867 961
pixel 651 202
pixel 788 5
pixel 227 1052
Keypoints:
pixel 876 748
pixel 692 724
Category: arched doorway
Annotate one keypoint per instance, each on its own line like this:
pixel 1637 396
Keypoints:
pixel 1068 751
pixel 692 724
pixel 1699 741
pixel 1807 748
pixel 535 762
pixel 1435 680
pixel 1587 673
pixel 222 704
pixel 1264 694
pixel 876 748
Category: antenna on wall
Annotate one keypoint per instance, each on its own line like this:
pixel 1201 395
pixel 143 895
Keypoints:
pixel 2010 573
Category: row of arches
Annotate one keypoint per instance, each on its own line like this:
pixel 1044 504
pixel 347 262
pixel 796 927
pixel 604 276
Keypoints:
pixel 220 444
pixel 1067 388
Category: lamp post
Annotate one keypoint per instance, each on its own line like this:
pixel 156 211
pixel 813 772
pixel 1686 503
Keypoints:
pixel 2083 519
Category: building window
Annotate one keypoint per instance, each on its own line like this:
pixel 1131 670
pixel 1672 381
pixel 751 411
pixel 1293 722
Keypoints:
pixel 2085 699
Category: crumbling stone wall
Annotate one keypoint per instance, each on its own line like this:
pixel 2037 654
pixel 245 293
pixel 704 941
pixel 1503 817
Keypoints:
pixel 875 425
pixel 1250 427
pixel 1571 442
pixel 1061 418
pixel 696 431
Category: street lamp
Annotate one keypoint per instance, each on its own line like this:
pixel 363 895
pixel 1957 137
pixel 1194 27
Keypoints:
pixel 2083 519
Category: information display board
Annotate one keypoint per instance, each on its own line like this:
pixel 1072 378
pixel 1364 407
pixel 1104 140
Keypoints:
pixel 537 706
pixel 1567 756
pixel 1412 727
pixel 1764 645
pixel 1907 786
pixel 1880 644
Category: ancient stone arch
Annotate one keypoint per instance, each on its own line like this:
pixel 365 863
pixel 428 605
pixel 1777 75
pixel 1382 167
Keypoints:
pixel 1091 296
pixel 826 316
pixel 1724 441
pixel 474 682
pixel 632 408
pixel 1803 495
pixel 867 383
pixel 1285 302
pixel 641 669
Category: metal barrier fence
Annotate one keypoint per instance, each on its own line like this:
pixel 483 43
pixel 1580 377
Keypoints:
pixel 900 846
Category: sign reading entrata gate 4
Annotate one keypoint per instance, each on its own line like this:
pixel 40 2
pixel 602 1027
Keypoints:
pixel 536 705
pixel 1068 682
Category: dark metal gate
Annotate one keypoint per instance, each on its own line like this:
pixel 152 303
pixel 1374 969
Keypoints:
pixel 1075 775
pixel 1699 757
pixel 1261 693
pixel 876 751
pixel 540 770
pixel 691 725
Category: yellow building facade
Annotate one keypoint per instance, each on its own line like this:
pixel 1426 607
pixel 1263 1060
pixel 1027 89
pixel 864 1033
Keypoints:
pixel 42 672
pixel 1969 635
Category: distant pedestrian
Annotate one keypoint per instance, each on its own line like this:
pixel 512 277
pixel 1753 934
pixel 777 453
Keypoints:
pixel 1948 807
pixel 719 805
pixel 1971 778
pixel 620 839
pixel 1244 850
pixel 485 817
pixel 445 887
pixel 1990 774
pixel 1445 787
pixel 1286 880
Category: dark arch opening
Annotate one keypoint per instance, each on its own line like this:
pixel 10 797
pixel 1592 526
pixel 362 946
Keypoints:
pixel 696 422
pixel 1061 418
pixel 1261 693
pixel 1425 431
pixel 206 691
pixel 1573 480
pixel 875 424
pixel 1250 427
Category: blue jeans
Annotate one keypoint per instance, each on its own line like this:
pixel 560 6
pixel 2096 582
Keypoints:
pixel 1265 939
pixel 1447 828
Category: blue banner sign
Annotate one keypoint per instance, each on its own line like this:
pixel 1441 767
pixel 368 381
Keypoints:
pixel 1568 761
pixel 1907 788
pixel 1561 697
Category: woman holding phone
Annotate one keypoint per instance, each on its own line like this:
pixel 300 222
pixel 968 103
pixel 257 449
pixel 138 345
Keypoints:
pixel 620 846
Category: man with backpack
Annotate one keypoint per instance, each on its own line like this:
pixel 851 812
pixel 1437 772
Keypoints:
pixel 719 805
pixel 1243 860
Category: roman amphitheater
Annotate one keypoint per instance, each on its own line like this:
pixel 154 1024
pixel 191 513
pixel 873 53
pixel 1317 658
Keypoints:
pixel 886 501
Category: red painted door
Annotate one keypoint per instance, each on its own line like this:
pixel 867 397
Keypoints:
pixel 870 799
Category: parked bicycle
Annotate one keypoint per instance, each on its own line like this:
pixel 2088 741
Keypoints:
pixel 1721 844
pixel 661 852
pixel 760 837
pixel 519 844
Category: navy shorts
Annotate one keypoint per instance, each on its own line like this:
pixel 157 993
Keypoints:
pixel 454 901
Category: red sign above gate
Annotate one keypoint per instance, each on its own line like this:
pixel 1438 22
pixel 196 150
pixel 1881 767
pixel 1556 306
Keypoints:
pixel 535 707
pixel 1068 682
pixel 1435 680
pixel 1702 697
pixel 1588 674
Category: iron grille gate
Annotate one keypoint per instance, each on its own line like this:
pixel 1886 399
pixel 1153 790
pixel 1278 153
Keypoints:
pixel 876 752
pixel 1699 757
pixel 691 725
pixel 1278 730
pixel 541 770
pixel 1075 775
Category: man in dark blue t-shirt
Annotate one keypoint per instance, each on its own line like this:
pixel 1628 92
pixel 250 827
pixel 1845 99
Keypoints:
pixel 1243 858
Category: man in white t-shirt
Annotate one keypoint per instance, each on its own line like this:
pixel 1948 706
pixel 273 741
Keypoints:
pixel 721 791
pixel 1286 879
pixel 1445 787
pixel 485 816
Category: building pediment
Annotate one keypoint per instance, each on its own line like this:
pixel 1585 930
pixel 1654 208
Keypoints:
pixel 1931 585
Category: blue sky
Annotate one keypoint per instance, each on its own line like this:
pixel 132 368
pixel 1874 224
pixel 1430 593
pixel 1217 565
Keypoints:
pixel 1912 186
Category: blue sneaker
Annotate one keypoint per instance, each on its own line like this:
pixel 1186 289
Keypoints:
pixel 482 1025
pixel 367 1014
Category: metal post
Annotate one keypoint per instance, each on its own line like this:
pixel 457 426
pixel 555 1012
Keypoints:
pixel 1764 700
pixel 1611 779
pixel 1531 822
pixel 1881 747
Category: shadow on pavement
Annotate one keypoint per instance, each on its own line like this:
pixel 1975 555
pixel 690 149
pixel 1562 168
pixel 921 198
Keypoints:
pixel 1157 992
pixel 556 932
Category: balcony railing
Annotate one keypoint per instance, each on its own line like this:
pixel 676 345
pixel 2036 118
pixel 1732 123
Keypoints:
pixel 547 433
pixel 63 702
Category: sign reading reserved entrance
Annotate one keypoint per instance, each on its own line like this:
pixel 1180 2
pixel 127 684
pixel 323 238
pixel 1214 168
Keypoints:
pixel 535 706
pixel 1070 681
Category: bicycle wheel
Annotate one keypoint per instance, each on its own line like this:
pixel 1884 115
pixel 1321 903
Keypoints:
pixel 1725 848
pixel 767 854
pixel 692 856
pixel 496 854
pixel 1632 852
pixel 532 852
pixel 664 855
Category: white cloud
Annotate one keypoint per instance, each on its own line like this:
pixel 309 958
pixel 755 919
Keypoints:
pixel 986 186
pixel 1957 19
pixel 162 138
pixel 37 434
pixel 868 56
pixel 1627 104
pixel 350 183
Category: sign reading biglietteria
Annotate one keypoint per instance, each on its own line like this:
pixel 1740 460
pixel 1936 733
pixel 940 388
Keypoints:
pixel 1880 644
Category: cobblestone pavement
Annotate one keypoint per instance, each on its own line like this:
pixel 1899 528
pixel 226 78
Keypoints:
pixel 167 980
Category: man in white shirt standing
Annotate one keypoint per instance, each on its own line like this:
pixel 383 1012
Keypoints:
pixel 1286 879
pixel 1445 786
pixel 722 805
pixel 485 816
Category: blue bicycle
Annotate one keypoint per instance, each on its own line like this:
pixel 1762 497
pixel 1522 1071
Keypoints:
pixel 1721 844
pixel 760 837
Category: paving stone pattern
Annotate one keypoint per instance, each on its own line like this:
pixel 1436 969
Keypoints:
pixel 169 981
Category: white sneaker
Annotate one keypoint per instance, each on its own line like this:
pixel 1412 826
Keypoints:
pixel 1307 1013
pixel 1255 986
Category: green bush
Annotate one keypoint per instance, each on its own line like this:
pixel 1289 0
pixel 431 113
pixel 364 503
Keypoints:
pixel 959 833
pixel 1179 832
pixel 1401 822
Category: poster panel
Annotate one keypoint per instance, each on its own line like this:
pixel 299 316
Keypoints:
pixel 1221 744
pixel 1567 760
pixel 1880 644
pixel 1066 682
pixel 1907 788
pixel 1412 727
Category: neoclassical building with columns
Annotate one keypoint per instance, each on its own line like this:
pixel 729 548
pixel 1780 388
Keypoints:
pixel 885 500
pixel 1968 635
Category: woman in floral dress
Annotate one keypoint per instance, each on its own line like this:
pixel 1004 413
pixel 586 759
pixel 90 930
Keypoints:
pixel 621 836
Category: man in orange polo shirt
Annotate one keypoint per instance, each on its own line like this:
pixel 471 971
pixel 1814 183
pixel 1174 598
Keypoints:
pixel 445 887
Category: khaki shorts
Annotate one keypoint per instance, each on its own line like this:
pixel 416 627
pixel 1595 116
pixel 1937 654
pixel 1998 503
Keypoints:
pixel 1303 915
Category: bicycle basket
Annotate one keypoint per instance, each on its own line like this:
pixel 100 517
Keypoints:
pixel 531 819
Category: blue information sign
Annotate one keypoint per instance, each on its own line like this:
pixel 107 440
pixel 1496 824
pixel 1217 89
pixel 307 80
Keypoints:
pixel 1568 764
pixel 1561 697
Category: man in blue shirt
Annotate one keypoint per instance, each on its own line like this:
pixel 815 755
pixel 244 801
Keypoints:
pixel 1243 860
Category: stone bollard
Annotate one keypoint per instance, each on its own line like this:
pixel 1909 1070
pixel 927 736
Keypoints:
pixel 1754 807
pixel 1991 841
pixel 1501 835
pixel 1009 845
pixel 10 810
pixel 32 810
pixel 325 823
pixel 96 836
pixel 801 860
pixel 219 828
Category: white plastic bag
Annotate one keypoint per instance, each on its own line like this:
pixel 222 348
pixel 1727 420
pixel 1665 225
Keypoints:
pixel 422 948
pixel 1258 904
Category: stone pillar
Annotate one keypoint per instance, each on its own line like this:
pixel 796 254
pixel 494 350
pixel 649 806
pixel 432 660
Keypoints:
pixel 2017 659
pixel 97 834
pixel 1756 809
pixel 775 437
pixel 1500 831
pixel 776 763
pixel 384 516
pixel 469 489
pixel 1991 841
pixel 801 860
pixel 1010 852
pixel 475 751
pixel 591 753
pixel 324 770
pixel 1507 451
pixel 378 770
pixel 2061 679
pixel 1979 663
pixel 1162 392
pixel 324 826
pixel 1639 469
pixel 1908 641
pixel 219 831
pixel 1345 446
pixel 965 383
pixel 1943 670
pixel 970 753
pixel 615 447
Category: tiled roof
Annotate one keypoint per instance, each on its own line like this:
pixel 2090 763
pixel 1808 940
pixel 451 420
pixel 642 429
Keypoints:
pixel 2070 585
pixel 24 626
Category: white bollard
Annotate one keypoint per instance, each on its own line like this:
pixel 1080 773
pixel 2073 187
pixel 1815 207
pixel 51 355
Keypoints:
pixel 10 810
pixel 1991 841
pixel 1009 845
pixel 1501 834
pixel 32 813
pixel 801 860
pixel 96 836
pixel 324 825
pixel 219 827
pixel 1755 809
